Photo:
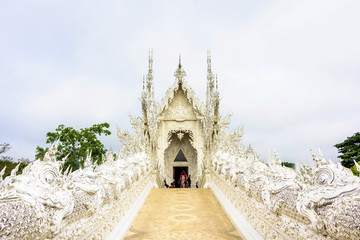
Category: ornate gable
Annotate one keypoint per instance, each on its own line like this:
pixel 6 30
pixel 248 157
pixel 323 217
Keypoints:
pixel 180 109
pixel 173 105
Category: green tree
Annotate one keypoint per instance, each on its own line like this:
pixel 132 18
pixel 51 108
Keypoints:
pixel 10 166
pixel 288 164
pixel 6 161
pixel 349 151
pixel 76 143
pixel 354 170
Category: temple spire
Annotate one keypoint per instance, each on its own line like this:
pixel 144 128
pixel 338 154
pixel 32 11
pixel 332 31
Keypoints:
pixel 209 61
pixel 149 106
pixel 210 75
pixel 150 60
pixel 149 77
pixel 217 84
pixel 144 82
pixel 210 81
pixel 180 73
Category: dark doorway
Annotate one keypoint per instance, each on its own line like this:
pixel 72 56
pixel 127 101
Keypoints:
pixel 176 174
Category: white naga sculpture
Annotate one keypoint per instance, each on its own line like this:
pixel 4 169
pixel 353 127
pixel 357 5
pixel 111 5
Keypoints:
pixel 320 202
pixel 43 203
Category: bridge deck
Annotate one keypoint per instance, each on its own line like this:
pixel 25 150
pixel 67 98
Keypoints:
pixel 182 214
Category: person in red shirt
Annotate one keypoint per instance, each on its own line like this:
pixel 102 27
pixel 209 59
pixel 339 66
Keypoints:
pixel 183 178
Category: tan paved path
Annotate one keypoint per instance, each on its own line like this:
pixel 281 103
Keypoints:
pixel 182 214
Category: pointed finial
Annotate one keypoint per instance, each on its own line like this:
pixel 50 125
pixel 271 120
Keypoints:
pixel 180 73
pixel 250 149
pixel 2 173
pixel 277 157
pixel 88 161
pixel 143 82
pixel 217 84
pixel 149 77
pixel 209 60
pixel 357 166
pixel 14 171
pixel 67 171
pixel 151 59
pixel 322 158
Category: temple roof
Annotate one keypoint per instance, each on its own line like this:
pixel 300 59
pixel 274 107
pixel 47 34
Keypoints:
pixel 189 93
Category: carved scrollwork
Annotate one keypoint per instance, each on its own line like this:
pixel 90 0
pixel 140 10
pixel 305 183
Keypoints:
pixel 180 134
pixel 324 176
pixel 49 174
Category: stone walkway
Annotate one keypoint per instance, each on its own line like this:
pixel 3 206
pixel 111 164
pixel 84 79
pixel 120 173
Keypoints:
pixel 182 214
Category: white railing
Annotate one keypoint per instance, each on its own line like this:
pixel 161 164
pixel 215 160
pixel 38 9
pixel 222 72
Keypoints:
pixel 44 203
pixel 321 202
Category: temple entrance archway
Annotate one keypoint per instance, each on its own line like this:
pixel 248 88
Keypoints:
pixel 177 172
pixel 180 155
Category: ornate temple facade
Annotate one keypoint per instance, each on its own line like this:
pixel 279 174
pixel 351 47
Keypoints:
pixel 180 131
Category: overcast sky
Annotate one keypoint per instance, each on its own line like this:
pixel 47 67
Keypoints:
pixel 289 71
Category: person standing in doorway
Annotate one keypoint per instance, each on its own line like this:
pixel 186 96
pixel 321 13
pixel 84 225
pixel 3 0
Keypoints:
pixel 189 181
pixel 183 178
pixel 165 184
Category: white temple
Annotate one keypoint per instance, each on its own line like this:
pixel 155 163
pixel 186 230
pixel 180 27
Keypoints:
pixel 180 126
pixel 264 201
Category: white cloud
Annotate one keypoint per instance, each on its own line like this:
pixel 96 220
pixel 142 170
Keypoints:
pixel 80 99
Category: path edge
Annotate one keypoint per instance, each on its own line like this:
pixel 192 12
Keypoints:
pixel 122 227
pixel 241 224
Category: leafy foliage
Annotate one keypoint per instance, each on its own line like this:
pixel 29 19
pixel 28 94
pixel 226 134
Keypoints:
pixel 354 170
pixel 76 143
pixel 10 166
pixel 350 151
pixel 288 164
pixel 7 162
